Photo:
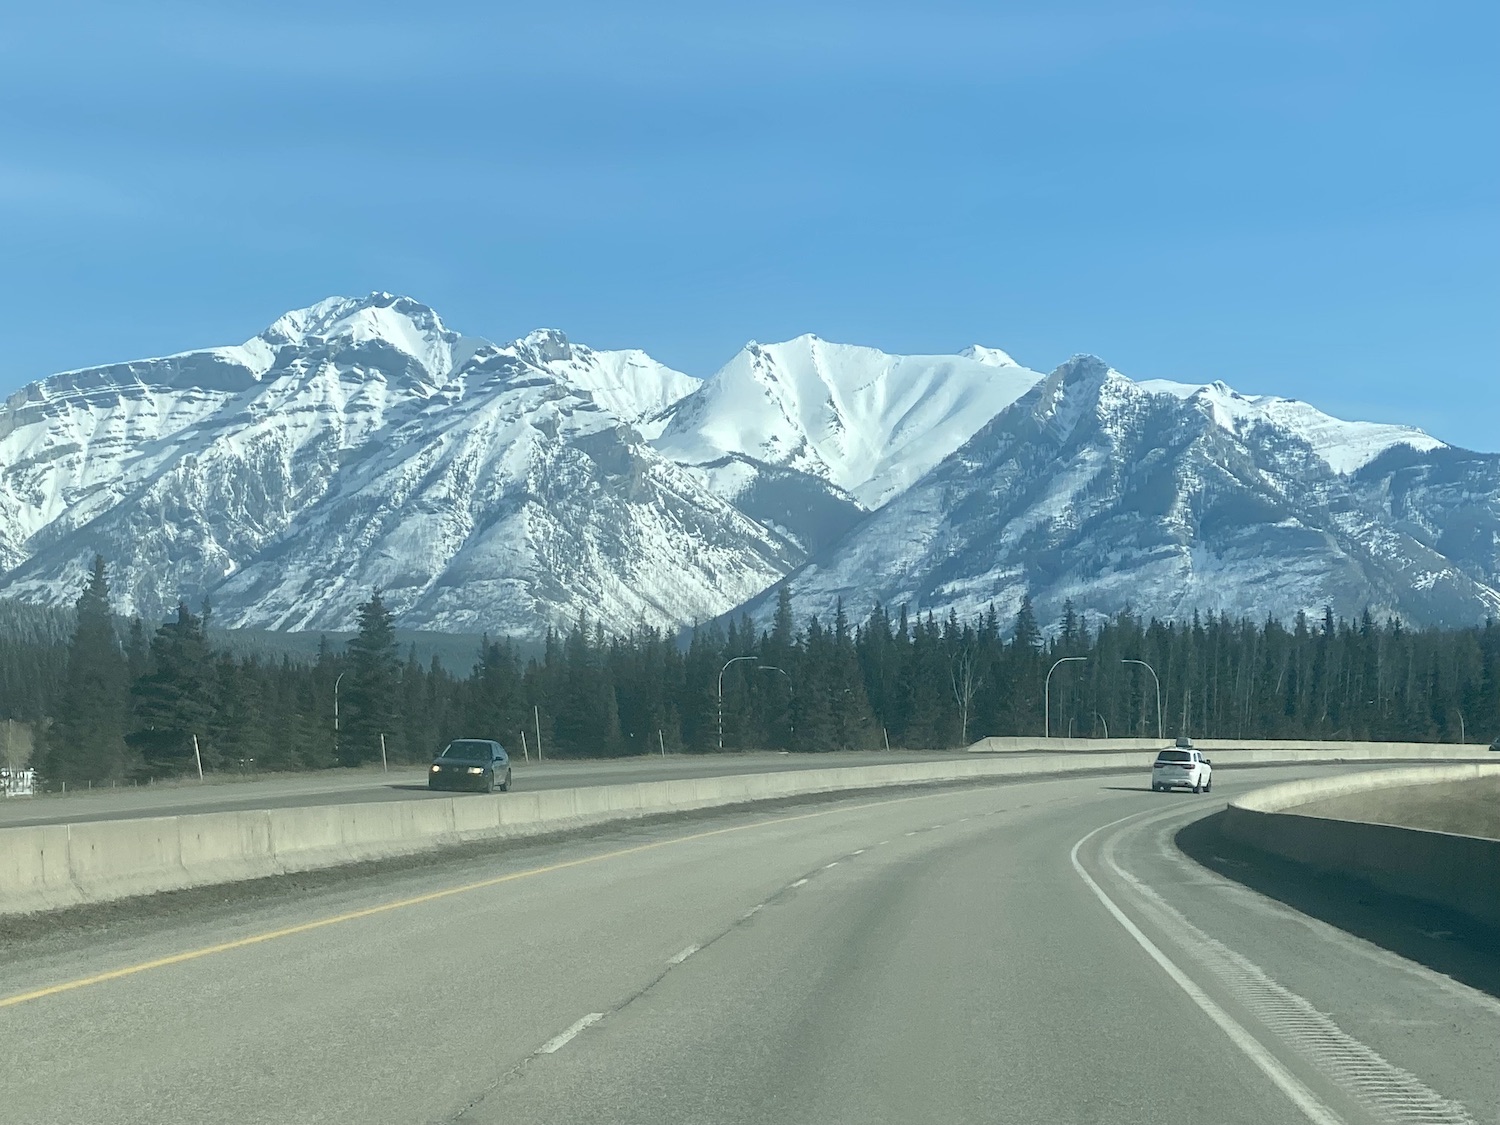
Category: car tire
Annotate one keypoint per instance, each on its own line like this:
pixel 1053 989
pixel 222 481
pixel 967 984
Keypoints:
pixel 1208 786
pixel 505 785
pixel 1197 787
pixel 489 782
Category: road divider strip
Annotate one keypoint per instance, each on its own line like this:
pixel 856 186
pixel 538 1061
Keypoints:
pixel 46 867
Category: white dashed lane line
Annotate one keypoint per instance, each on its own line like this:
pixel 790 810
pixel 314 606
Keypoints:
pixel 800 883
pixel 558 1042
pixel 679 958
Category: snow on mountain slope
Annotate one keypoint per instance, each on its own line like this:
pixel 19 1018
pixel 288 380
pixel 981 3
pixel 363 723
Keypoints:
pixel 382 321
pixel 866 422
pixel 994 357
pixel 360 442
pixel 629 384
pixel 1094 488
pixel 1345 446
pixel 506 487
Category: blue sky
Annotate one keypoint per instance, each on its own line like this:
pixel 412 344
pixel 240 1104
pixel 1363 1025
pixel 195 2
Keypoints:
pixel 1296 198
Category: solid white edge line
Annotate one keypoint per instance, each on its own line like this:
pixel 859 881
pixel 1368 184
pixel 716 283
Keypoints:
pixel 1300 1095
pixel 558 1042
pixel 679 958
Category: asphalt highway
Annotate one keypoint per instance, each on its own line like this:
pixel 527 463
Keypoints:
pixel 1025 952
pixel 407 783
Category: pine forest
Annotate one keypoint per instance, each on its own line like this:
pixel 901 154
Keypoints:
pixel 150 704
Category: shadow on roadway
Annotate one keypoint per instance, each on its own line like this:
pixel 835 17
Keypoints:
pixel 1444 940
pixel 1147 789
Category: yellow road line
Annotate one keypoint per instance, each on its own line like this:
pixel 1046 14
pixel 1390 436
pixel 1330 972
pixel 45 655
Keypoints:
pixel 416 900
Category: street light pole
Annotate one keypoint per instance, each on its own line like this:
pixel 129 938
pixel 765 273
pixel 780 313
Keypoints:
pixel 336 680
pixel 1047 696
pixel 1152 670
pixel 733 660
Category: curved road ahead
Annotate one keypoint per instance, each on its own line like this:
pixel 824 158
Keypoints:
pixel 1028 952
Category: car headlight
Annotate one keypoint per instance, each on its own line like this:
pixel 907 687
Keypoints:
pixel 476 769
pixel 436 768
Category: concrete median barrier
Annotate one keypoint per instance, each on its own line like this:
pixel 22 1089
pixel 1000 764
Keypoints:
pixel 53 866
pixel 1448 869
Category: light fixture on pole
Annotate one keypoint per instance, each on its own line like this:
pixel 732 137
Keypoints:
pixel 1047 695
pixel 1152 670
pixel 733 660
pixel 336 680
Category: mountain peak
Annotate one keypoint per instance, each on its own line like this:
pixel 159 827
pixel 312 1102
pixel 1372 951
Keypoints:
pixel 350 317
pixel 1084 366
pixel 548 345
pixel 992 357
pixel 379 318
pixel 1072 389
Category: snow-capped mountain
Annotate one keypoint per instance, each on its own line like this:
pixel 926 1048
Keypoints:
pixel 1167 499
pixel 1344 446
pixel 505 487
pixel 361 443
pixel 867 423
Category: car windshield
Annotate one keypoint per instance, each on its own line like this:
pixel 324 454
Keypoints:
pixel 468 750
pixel 1174 756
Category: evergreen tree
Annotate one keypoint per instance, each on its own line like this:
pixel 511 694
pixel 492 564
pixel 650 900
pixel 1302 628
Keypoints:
pixel 175 700
pixel 87 739
pixel 370 692
pixel 1028 633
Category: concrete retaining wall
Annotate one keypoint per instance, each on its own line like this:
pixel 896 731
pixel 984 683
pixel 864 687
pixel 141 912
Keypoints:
pixel 1458 872
pixel 1359 750
pixel 60 865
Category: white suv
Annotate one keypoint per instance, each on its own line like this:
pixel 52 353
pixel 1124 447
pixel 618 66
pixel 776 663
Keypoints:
pixel 1182 769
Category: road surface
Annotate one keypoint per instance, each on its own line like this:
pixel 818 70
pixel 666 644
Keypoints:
pixel 1025 952
pixel 407 783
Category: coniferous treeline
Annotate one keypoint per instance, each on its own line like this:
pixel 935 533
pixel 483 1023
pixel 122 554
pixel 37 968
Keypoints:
pixel 112 708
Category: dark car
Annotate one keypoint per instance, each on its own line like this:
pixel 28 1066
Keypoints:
pixel 1495 745
pixel 471 763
